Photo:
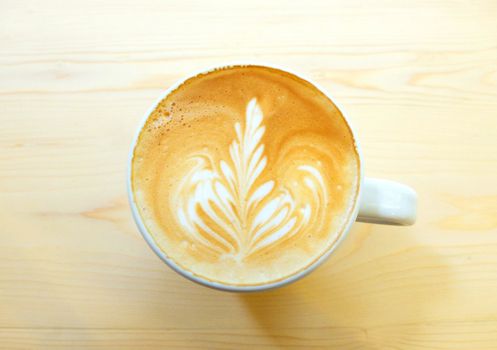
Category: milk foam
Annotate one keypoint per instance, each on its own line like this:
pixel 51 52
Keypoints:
pixel 242 219
pixel 232 193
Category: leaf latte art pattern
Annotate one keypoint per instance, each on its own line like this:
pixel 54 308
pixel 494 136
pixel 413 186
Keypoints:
pixel 225 209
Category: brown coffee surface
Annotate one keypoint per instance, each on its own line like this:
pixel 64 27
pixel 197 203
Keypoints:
pixel 245 175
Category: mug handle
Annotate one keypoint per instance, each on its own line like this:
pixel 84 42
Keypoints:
pixel 387 202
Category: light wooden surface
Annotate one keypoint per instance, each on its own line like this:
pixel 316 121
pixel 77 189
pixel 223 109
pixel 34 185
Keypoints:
pixel 419 81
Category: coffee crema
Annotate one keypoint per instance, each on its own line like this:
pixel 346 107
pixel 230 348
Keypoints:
pixel 245 175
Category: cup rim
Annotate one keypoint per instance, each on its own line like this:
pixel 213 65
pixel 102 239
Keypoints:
pixel 214 284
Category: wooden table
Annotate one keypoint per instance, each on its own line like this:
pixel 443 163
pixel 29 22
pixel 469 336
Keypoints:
pixel 419 80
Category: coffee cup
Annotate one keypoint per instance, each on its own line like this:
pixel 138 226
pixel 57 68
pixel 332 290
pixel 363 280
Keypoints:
pixel 246 177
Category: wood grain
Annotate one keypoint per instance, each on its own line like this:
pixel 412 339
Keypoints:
pixel 419 82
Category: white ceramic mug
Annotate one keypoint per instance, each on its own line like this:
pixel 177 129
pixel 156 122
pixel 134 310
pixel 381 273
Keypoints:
pixel 379 201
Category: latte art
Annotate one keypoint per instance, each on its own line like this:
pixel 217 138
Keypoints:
pixel 245 175
pixel 222 208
